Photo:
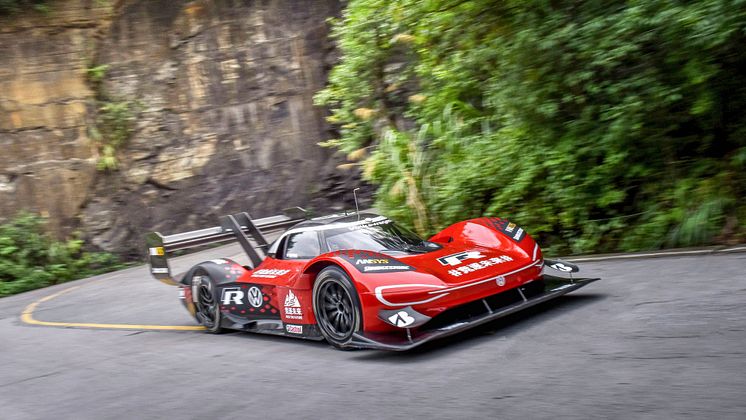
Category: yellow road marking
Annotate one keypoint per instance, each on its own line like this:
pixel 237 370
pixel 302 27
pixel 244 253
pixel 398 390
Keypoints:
pixel 27 316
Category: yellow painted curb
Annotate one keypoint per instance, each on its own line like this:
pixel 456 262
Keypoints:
pixel 28 318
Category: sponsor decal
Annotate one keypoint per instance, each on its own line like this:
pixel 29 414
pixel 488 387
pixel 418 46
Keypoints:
pixel 369 261
pixel 255 297
pixel 479 265
pixel 292 306
pixel 401 319
pixel 159 270
pixel 458 258
pixel 219 261
pixel 292 300
pixel 374 262
pixel 247 300
pixel 235 296
pixel 293 313
pixel 182 294
pixel 232 296
pixel 510 229
pixel 269 273
pixel 157 251
pixel 561 267
pixel 376 221
pixel 370 268
pixel 294 329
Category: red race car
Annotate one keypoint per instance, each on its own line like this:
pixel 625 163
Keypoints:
pixel 361 280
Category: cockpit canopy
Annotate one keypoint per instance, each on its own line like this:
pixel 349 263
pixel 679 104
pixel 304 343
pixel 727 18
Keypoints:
pixel 370 233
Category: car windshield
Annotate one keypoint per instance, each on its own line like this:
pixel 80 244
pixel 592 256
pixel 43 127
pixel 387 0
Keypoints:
pixel 379 236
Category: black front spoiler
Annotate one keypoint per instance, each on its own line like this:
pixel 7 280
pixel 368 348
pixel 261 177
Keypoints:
pixel 556 287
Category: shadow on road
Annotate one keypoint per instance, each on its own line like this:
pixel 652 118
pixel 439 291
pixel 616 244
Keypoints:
pixel 515 322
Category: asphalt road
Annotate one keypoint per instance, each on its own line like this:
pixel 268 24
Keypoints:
pixel 656 338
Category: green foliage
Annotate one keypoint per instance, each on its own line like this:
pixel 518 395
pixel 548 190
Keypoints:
pixel 8 7
pixel 96 73
pixel 114 126
pixel 599 126
pixel 115 119
pixel 29 259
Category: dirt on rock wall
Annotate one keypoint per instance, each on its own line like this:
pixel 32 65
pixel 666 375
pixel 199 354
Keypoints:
pixel 221 93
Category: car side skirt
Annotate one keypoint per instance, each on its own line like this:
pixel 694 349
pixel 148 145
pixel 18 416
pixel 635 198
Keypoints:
pixel 271 327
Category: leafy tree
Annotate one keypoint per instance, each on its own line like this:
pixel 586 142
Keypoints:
pixel 600 126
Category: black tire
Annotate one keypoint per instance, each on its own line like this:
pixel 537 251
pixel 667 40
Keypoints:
pixel 207 305
pixel 336 306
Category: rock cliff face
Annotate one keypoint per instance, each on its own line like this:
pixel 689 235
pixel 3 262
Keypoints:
pixel 46 160
pixel 224 114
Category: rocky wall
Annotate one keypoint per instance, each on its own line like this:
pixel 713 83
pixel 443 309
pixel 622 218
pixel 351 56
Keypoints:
pixel 225 119
pixel 46 159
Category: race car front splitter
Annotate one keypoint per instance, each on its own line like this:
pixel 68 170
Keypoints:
pixel 554 288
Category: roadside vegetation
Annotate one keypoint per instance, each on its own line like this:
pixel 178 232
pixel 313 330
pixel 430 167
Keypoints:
pixel 113 127
pixel 114 122
pixel 9 7
pixel 597 125
pixel 30 259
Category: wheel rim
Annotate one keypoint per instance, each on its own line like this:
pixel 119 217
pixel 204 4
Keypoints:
pixel 335 310
pixel 206 305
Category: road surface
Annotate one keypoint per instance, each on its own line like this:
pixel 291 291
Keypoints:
pixel 656 338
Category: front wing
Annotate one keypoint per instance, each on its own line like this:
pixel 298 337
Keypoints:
pixel 555 287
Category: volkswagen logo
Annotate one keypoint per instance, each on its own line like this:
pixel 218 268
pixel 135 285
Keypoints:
pixel 255 297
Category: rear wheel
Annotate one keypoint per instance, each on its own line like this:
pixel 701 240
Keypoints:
pixel 207 305
pixel 336 306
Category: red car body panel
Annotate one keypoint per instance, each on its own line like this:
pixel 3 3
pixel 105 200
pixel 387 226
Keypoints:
pixel 495 263
pixel 468 274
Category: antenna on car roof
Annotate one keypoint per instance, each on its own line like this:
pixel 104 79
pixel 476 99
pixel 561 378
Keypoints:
pixel 357 209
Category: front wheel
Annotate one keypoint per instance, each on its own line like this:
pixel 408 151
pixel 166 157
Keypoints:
pixel 207 305
pixel 336 306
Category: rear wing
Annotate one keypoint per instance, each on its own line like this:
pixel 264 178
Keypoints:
pixel 238 227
